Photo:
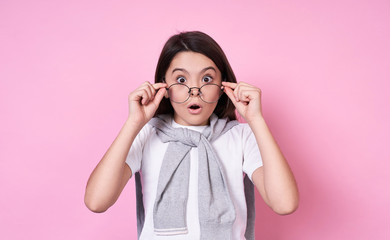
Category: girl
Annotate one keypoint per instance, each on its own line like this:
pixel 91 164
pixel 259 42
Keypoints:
pixel 182 136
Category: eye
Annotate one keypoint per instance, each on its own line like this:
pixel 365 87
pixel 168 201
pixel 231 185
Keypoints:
pixel 207 79
pixel 181 80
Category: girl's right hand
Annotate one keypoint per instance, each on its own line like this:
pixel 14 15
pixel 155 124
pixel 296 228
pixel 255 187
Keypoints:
pixel 144 101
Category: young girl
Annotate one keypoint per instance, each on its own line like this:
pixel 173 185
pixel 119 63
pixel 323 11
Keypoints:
pixel 189 154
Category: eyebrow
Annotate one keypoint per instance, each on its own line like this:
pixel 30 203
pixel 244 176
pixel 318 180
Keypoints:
pixel 179 69
pixel 203 70
pixel 208 68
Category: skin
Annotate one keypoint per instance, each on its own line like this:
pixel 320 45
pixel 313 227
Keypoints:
pixel 194 70
pixel 274 180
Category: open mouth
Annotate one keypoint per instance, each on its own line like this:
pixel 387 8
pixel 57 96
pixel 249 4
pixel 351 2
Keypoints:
pixel 194 108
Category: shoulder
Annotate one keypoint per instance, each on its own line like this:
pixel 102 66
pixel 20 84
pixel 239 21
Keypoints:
pixel 241 135
pixel 241 130
pixel 145 133
pixel 238 134
pixel 146 130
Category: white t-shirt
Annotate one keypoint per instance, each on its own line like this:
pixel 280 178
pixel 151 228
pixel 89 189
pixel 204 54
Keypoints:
pixel 238 153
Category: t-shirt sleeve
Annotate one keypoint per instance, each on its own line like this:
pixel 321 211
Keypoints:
pixel 252 156
pixel 134 157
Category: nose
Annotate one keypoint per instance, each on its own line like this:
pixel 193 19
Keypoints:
pixel 195 91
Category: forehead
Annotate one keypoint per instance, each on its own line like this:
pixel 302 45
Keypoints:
pixel 191 61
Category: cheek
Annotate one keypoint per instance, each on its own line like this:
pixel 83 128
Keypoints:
pixel 212 107
pixel 177 106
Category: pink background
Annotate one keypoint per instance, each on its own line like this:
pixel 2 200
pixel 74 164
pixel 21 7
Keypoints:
pixel 67 67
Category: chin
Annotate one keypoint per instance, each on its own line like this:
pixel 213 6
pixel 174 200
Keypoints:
pixel 200 122
pixel 192 120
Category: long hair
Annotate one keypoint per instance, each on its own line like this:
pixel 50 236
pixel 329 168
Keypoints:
pixel 198 42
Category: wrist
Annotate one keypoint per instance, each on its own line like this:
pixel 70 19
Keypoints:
pixel 134 123
pixel 256 122
pixel 255 119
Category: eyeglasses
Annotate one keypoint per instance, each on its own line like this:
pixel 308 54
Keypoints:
pixel 208 93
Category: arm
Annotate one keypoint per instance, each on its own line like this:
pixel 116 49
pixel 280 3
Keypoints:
pixel 112 173
pixel 274 180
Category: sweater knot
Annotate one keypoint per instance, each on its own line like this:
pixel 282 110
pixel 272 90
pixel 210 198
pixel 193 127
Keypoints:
pixel 188 137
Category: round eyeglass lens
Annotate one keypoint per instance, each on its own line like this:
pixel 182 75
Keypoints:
pixel 210 93
pixel 178 93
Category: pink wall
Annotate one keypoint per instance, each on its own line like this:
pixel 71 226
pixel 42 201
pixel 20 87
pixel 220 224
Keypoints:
pixel 66 68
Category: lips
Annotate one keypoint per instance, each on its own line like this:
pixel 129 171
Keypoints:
pixel 194 108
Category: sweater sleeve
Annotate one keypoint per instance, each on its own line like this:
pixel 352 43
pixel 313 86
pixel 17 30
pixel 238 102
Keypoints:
pixel 252 155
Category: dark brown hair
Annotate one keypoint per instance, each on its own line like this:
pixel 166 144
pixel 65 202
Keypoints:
pixel 201 43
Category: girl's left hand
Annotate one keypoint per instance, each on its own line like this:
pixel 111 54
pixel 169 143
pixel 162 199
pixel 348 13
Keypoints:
pixel 246 98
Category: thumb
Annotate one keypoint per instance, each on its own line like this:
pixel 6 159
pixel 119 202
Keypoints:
pixel 159 96
pixel 239 105
pixel 230 94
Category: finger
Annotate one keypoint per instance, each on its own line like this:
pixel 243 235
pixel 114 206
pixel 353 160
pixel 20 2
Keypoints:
pixel 249 93
pixel 157 86
pixel 230 94
pixel 152 91
pixel 245 91
pixel 247 86
pixel 232 85
pixel 159 96
pixel 147 86
pixel 236 92
pixel 244 84
pixel 237 87
pixel 144 96
pixel 239 105
pixel 244 96
pixel 137 95
pixel 143 93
